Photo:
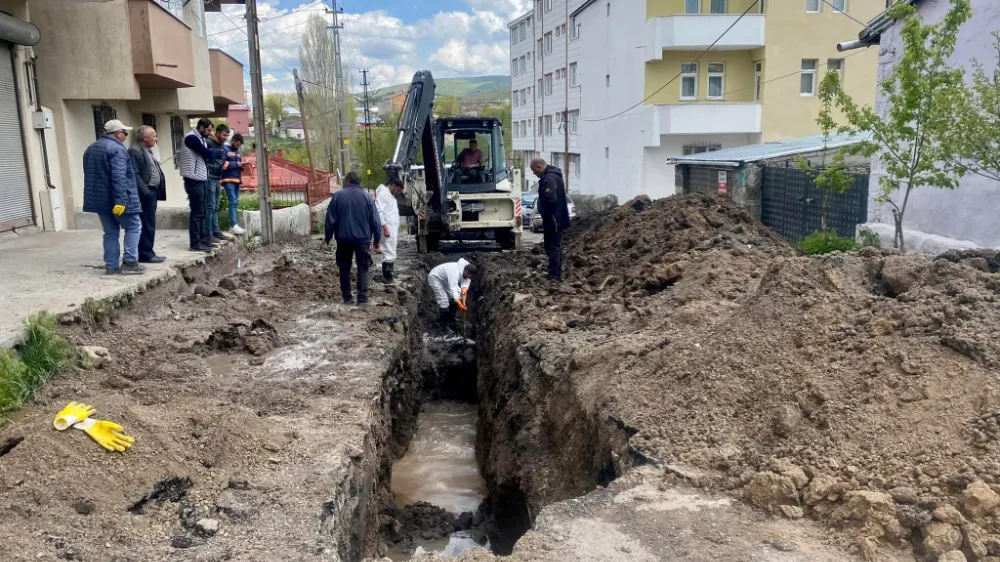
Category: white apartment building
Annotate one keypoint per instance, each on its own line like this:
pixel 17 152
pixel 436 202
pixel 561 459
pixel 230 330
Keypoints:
pixel 545 92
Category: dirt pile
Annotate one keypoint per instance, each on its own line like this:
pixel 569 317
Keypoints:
pixel 404 528
pixel 857 389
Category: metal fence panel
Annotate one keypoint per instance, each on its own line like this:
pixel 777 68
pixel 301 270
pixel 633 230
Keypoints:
pixel 792 205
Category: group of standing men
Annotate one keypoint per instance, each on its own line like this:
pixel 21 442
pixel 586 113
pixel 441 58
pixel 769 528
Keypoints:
pixel 123 186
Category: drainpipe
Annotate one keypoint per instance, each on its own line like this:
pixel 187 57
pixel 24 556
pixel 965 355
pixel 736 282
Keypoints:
pixel 41 132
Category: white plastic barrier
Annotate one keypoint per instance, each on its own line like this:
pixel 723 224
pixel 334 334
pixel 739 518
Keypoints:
pixel 289 223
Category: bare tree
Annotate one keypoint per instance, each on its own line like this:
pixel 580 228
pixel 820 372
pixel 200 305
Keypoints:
pixel 316 60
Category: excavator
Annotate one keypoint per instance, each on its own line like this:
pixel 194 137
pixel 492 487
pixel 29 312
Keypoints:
pixel 444 200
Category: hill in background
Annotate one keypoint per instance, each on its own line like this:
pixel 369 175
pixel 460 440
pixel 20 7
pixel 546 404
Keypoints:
pixel 473 89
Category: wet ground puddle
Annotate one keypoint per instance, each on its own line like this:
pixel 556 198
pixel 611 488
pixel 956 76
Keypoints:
pixel 440 468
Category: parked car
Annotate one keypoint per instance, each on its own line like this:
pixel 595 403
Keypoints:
pixel 528 207
pixel 536 217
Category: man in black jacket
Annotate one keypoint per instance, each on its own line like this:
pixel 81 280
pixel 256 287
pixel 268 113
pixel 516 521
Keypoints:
pixel 353 220
pixel 555 213
pixel 150 181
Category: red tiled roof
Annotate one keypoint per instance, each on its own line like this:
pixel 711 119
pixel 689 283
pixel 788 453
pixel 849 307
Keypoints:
pixel 283 174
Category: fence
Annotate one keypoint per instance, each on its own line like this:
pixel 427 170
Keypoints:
pixel 792 205
pixel 290 183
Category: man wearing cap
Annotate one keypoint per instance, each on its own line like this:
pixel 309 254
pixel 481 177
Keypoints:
pixel 110 191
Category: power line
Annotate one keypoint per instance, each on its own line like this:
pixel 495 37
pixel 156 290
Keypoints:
pixel 275 18
pixel 839 11
pixel 671 81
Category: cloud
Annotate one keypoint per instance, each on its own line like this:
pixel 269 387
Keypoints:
pixel 481 58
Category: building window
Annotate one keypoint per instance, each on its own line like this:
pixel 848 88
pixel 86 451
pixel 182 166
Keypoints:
pixel 524 29
pixel 572 74
pixel 513 67
pixel 524 96
pixel 513 36
pixel 840 5
pixel 548 84
pixel 541 126
pixel 548 125
pixel 716 80
pixel 176 134
pixel 149 120
pixel 558 30
pixel 548 43
pixel 564 28
pixel 540 88
pixel 539 49
pixel 175 7
pixel 574 165
pixel 808 84
pixel 698 148
pixel 517 129
pixel 758 74
pixel 102 114
pixel 538 9
pixel 548 5
pixel 692 6
pixel 836 65
pixel 517 98
pixel 524 64
pixel 689 80
pixel 812 6
pixel 575 29
pixel 718 6
pixel 573 120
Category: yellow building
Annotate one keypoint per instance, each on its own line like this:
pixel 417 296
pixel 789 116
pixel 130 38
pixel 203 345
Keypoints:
pixel 688 76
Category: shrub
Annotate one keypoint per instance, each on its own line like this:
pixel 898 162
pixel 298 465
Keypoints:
pixel 41 356
pixel 826 241
pixel 868 238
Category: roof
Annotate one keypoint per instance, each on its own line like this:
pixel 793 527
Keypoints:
pixel 520 18
pixel 582 7
pixel 766 151
pixel 872 34
pixel 290 124
pixel 282 174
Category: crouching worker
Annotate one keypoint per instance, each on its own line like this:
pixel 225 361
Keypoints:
pixel 450 283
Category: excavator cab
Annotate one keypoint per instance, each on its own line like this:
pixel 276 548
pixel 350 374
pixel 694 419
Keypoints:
pixel 471 149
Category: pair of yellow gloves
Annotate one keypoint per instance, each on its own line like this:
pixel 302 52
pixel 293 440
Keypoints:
pixel 109 435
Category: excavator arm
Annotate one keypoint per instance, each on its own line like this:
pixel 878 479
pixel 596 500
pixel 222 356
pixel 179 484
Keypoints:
pixel 416 132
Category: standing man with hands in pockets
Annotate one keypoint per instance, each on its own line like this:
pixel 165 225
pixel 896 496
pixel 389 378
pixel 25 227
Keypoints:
pixel 152 188
pixel 353 221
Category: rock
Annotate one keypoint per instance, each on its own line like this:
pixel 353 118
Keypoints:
pixel 904 495
pixel 463 521
pixel 954 555
pixel 979 500
pixel 977 263
pixel 792 511
pixel 770 490
pixel 206 527
pixel 239 506
pixel 975 540
pixel 96 354
pixel 203 290
pixel 875 510
pixel 941 537
pixel 912 517
pixel 181 541
pixel 239 483
pixel 786 419
pixel 83 506
pixel 900 274
pixel 823 487
pixel 948 514
pixel 798 476
pixel 229 283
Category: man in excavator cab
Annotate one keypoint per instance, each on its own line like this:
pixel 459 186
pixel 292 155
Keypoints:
pixel 470 163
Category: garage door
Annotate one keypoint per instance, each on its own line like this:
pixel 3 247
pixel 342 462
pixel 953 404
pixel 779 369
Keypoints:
pixel 15 194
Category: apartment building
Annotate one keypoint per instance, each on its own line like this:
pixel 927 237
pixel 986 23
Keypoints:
pixel 545 92
pixel 662 78
pixel 141 61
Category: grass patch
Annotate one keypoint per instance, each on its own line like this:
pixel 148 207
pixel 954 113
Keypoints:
pixel 35 362
pixel 825 242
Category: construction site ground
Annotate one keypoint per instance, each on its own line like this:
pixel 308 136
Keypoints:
pixel 696 389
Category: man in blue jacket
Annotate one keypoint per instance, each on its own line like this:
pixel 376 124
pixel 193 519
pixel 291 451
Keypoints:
pixel 555 213
pixel 110 191
pixel 353 220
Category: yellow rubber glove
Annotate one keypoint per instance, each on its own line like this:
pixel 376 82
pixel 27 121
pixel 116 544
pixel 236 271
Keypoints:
pixel 73 412
pixel 109 435
pixel 117 210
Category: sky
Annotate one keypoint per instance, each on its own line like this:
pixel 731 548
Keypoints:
pixel 390 38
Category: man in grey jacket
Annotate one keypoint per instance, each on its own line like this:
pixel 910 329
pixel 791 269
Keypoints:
pixel 353 220
pixel 152 186
pixel 192 160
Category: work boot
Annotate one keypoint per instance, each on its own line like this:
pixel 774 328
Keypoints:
pixel 132 268
pixel 387 271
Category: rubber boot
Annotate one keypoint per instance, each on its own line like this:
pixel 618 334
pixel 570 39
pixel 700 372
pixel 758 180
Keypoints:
pixel 387 271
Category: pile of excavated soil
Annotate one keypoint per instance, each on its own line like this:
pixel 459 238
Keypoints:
pixel 858 389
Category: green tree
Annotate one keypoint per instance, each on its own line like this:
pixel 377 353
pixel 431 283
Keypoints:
pixel 319 84
pixel 914 140
pixel 446 106
pixel 503 113
pixel 383 143
pixel 274 110
pixel 977 136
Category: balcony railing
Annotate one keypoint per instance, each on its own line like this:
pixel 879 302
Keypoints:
pixel 162 51
pixel 705 118
pixel 693 32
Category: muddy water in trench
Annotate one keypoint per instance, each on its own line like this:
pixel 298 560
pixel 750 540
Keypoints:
pixel 440 468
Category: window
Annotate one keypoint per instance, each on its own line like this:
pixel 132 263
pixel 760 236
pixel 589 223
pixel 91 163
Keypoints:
pixel 102 114
pixel 176 134
pixel 548 125
pixel 540 89
pixel 513 67
pixel 573 119
pixel 564 28
pixel 548 5
pixel 548 43
pixel 692 6
pixel 607 80
pixel 574 165
pixel 700 147
pixel 517 98
pixel 513 36
pixel 524 96
pixel 689 80
pixel 836 65
pixel 539 50
pixel 517 129
pixel 538 9
pixel 812 6
pixel 548 84
pixel 808 84
pixel 758 74
pixel 558 30
pixel 716 80
pixel 572 74
pixel 522 29
pixel 718 6
pixel 840 5
pixel 575 29
pixel 524 64
pixel 541 126
pixel 149 120
pixel 175 8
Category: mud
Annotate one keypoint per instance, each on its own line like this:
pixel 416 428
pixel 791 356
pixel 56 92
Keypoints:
pixel 857 389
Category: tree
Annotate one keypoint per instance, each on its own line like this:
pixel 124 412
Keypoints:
pixel 319 81
pixel 446 106
pixel 914 140
pixel 383 144
pixel 503 112
pixel 274 110
pixel 977 136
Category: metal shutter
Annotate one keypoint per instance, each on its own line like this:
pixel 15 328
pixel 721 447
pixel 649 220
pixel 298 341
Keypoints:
pixel 15 193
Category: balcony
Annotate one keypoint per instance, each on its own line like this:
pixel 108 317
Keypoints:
pixel 227 79
pixel 697 32
pixel 162 49
pixel 705 118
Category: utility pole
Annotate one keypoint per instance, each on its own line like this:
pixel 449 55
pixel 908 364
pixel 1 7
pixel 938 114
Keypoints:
pixel 340 94
pixel 305 128
pixel 566 106
pixel 257 93
pixel 368 122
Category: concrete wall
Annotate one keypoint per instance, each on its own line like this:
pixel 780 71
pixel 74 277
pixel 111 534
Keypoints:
pixel 793 35
pixel 658 177
pixel 939 219
pixel 738 76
